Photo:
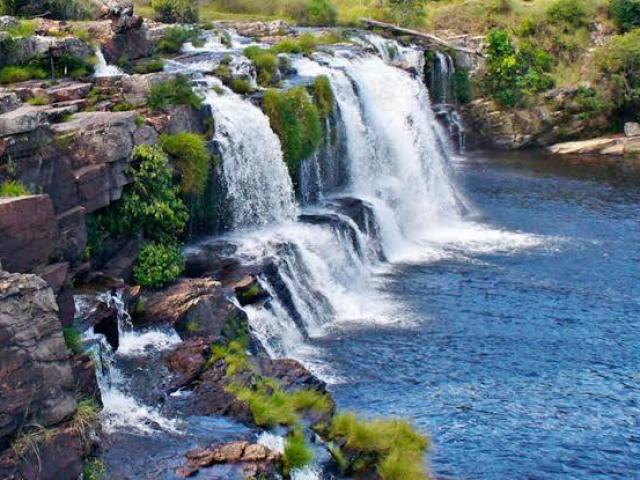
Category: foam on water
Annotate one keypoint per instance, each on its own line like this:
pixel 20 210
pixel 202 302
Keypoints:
pixel 102 69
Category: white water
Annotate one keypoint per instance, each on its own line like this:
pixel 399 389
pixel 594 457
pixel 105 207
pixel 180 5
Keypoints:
pixel 259 187
pixel 121 411
pixel 102 69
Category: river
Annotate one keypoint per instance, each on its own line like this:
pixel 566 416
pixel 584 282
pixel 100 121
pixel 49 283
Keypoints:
pixel 520 362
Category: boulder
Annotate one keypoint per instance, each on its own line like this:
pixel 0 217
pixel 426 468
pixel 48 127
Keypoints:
pixel 186 361
pixel 136 88
pixel 29 230
pixel 596 145
pixel 21 120
pixel 8 100
pixel 84 373
pixel 260 29
pixel 196 307
pixel 36 380
pixel 632 129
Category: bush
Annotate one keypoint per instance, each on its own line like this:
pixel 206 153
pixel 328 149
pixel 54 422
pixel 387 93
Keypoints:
pixel 266 63
pixel 177 36
pixel 462 85
pixel 173 92
pixel 175 11
pixel 297 453
pixel 241 86
pixel 93 469
pixel 318 13
pixel 572 13
pixel 158 264
pixel 72 339
pixel 149 66
pixel 15 73
pixel 57 9
pixel 512 75
pixel 407 12
pixel 13 188
pixel 323 95
pixel 42 99
pixel 626 13
pixel 25 28
pixel 394 446
pixel 192 159
pixel 296 121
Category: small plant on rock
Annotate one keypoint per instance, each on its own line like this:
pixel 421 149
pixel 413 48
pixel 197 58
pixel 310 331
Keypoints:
pixel 13 188
pixel 173 92
pixel 158 264
pixel 192 159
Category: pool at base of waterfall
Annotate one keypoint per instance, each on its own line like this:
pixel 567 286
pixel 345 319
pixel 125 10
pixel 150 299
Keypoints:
pixel 521 363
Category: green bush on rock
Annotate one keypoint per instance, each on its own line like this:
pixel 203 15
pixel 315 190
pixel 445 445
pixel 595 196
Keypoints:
pixel 297 453
pixel 296 120
pixel 192 159
pixel 72 339
pixel 173 92
pixel 158 264
pixel 266 63
pixel 393 447
pixel 323 95
pixel 175 11
pixel 13 188
pixel 177 35
pixel 15 73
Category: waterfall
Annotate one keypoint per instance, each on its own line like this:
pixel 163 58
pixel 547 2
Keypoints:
pixel 259 188
pixel 121 410
pixel 102 69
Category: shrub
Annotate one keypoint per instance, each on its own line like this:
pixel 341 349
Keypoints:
pixel 15 73
pixel 462 85
pixel 241 86
pixel 192 159
pixel 152 202
pixel 296 121
pixel 173 92
pixel 305 44
pixel 626 13
pixel 177 36
pixel 175 11
pixel 158 264
pixel 13 188
pixel 42 99
pixel 297 453
pixel 511 74
pixel 149 66
pixel 318 13
pixel 93 469
pixel 25 28
pixel 72 339
pixel 323 95
pixel 58 9
pixel 394 446
pixel 407 12
pixel 266 63
pixel 572 13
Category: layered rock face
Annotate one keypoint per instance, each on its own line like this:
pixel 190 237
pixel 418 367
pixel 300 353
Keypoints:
pixel 36 381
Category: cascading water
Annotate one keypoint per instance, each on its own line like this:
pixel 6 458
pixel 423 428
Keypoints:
pixel 103 69
pixel 259 188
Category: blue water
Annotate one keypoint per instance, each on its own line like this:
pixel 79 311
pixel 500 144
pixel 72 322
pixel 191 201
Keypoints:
pixel 524 363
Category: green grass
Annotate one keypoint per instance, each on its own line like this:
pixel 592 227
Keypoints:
pixel 241 86
pixel 192 159
pixel 72 339
pixel 297 453
pixel 13 188
pixel 395 447
pixel 93 469
pixel 25 28
pixel 16 73
pixel 39 100
pixel 173 92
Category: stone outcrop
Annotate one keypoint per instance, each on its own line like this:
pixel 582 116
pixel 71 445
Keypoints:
pixel 558 117
pixel 195 307
pixel 260 29
pixel 255 460
pixel 29 229
pixel 36 380
pixel 614 146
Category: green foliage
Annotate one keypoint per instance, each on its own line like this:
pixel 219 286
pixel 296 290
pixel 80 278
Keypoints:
pixel 297 122
pixel 72 339
pixel 13 188
pixel 592 103
pixel 25 28
pixel 57 9
pixel 619 62
pixel 192 159
pixel 158 264
pixel 462 85
pixel 318 13
pixel 173 92
pixel 240 86
pixel 122 107
pixel 175 11
pixel 151 202
pixel 93 469
pixel 626 13
pixel 15 73
pixel 571 13
pixel 393 445
pixel 177 35
pixel 266 63
pixel 323 95
pixel 513 75
pixel 297 453
pixel 149 66
pixel 407 12
pixel 42 99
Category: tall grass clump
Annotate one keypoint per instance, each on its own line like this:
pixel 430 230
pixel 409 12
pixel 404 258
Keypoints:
pixel 175 11
pixel 13 188
pixel 173 92
pixel 192 159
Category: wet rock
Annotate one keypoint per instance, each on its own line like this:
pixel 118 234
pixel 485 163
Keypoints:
pixel 632 129
pixel 257 460
pixel 21 120
pixel 291 374
pixel 187 360
pixel 84 373
pixel 29 230
pixel 36 380
pixel 249 291
pixel 195 307
pixel 8 101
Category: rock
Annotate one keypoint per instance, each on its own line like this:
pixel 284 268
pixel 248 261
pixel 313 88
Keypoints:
pixel 136 88
pixel 261 462
pixel 8 101
pixel 261 29
pixel 69 91
pixel 36 381
pixel 84 373
pixel 53 454
pixel 186 361
pixel 7 21
pixel 29 230
pixel 196 307
pixel 632 129
pixel 596 145
pixel 291 374
pixel 21 120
